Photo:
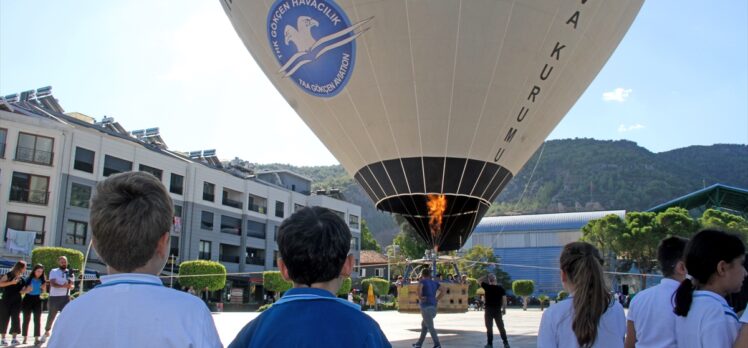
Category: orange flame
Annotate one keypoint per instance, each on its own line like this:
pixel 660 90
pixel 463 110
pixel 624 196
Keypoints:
pixel 437 204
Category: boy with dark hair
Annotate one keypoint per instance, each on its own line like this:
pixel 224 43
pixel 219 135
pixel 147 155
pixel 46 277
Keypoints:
pixel 651 320
pixel 429 295
pixel 131 215
pixel 314 245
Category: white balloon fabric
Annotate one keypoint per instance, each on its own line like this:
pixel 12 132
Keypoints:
pixel 419 97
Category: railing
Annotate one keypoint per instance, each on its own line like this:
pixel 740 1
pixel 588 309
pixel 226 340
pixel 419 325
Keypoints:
pixel 226 258
pixel 260 261
pixel 258 208
pixel 25 154
pixel 231 203
pixel 19 194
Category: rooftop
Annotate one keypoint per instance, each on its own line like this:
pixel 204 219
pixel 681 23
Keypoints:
pixel 541 222
pixel 371 257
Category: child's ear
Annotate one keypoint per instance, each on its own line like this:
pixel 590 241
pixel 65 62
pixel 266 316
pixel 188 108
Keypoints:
pixel 347 266
pixel 283 270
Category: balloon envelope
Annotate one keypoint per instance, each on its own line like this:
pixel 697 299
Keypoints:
pixel 420 97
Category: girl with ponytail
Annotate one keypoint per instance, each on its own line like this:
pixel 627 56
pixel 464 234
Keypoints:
pixel 714 260
pixel 589 317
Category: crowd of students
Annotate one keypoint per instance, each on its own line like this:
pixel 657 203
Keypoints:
pixel 131 214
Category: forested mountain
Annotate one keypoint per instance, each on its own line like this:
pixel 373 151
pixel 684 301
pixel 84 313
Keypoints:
pixel 575 175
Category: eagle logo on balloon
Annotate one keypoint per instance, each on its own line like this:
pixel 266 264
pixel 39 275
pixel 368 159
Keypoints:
pixel 310 49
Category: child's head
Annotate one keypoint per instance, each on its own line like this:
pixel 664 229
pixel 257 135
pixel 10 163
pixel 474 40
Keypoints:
pixel 713 259
pixel 582 273
pixel 314 245
pixel 426 272
pixel 131 215
pixel 670 254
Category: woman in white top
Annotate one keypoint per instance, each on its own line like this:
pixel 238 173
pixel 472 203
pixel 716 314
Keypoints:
pixel 714 260
pixel 590 317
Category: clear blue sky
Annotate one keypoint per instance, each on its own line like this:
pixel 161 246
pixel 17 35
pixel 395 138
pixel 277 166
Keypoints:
pixel 679 78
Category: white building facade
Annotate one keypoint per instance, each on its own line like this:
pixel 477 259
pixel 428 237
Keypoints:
pixel 51 161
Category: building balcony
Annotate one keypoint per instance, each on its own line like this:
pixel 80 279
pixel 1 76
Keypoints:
pixel 258 208
pixel 25 154
pixel 230 258
pixel 231 203
pixel 18 194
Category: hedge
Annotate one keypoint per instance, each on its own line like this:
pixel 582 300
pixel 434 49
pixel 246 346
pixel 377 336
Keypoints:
pixel 48 256
pixel 473 287
pixel 273 281
pixel 345 287
pixel 523 287
pixel 213 275
pixel 381 286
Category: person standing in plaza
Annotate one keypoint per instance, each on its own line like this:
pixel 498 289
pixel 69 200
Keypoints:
pixel 651 320
pixel 315 254
pixel 589 317
pixel 495 307
pixel 429 295
pixel 32 303
pixel 714 260
pixel 10 305
pixel 131 216
pixel 59 292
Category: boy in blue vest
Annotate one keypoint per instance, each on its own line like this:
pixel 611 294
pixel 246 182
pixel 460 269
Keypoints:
pixel 314 245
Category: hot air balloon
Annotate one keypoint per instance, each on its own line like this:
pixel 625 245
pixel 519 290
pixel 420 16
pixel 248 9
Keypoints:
pixel 432 105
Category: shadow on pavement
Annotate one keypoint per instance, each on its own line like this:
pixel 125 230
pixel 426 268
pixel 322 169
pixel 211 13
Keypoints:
pixel 463 338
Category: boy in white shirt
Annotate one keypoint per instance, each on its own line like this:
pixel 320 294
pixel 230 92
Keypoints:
pixel 651 320
pixel 131 215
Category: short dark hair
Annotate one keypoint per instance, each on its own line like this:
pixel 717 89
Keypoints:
pixel 669 252
pixel 426 272
pixel 314 243
pixel 130 212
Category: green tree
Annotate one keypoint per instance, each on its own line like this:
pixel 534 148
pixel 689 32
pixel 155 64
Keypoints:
pixel 479 260
pixel 202 274
pixel 604 234
pixel 381 286
pixel 345 287
pixel 411 245
pixel 367 239
pixel 473 287
pixel 713 218
pixel 524 288
pixel 676 221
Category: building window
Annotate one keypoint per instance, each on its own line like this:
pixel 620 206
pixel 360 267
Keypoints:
pixel 340 214
pixel 206 220
pixel 275 233
pixel 297 207
pixel 29 188
pixel 3 139
pixel 176 183
pixel 353 221
pixel 257 204
pixel 174 246
pixel 84 160
pixel 231 225
pixel 34 148
pixel 209 191
pixel 255 257
pixel 354 243
pixel 75 232
pixel 205 250
pixel 177 210
pixel 114 165
pixel 255 229
pixel 23 222
pixel 80 195
pixel 379 272
pixel 158 173
pixel 275 258
pixel 279 206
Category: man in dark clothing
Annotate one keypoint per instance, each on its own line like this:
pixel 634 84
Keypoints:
pixel 495 307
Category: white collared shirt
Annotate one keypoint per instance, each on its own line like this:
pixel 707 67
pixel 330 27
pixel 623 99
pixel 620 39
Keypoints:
pixel 710 323
pixel 555 326
pixel 57 276
pixel 135 310
pixel 651 311
pixel 744 317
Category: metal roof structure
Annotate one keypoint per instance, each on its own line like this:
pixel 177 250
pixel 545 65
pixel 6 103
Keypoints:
pixel 717 196
pixel 542 222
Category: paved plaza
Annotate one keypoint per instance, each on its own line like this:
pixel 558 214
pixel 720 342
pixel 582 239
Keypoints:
pixel 455 330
